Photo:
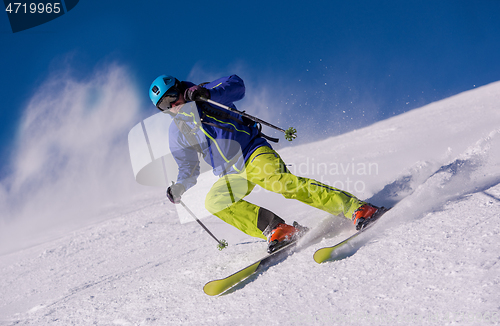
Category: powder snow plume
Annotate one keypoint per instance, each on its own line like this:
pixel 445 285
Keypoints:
pixel 70 155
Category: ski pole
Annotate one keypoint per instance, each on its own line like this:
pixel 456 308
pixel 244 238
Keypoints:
pixel 221 243
pixel 290 133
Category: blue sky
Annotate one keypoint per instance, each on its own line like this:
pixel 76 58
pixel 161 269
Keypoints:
pixel 332 65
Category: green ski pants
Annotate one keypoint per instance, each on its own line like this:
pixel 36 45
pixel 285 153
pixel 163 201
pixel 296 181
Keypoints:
pixel 266 169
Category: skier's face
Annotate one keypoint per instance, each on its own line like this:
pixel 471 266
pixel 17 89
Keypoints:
pixel 176 106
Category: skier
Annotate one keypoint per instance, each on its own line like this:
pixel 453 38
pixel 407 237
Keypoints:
pixel 212 133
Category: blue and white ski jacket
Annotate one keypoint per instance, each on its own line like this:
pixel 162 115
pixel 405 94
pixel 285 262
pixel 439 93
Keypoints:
pixel 223 138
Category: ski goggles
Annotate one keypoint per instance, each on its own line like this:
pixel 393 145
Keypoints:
pixel 170 96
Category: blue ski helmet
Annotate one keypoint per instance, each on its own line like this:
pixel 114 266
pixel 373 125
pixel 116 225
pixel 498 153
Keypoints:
pixel 164 87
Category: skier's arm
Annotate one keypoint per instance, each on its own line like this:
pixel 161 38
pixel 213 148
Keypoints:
pixel 226 90
pixel 189 168
pixel 186 158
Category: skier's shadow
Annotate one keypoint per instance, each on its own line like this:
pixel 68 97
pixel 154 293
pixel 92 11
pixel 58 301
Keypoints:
pixel 393 192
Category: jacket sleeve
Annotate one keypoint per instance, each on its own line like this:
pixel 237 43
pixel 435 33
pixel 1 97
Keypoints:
pixel 227 90
pixel 186 158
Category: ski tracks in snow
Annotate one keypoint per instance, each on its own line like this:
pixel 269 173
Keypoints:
pixel 429 185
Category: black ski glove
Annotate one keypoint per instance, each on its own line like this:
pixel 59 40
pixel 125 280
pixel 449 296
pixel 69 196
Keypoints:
pixel 195 92
pixel 174 193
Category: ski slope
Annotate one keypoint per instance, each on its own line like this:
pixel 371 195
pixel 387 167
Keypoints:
pixel 432 260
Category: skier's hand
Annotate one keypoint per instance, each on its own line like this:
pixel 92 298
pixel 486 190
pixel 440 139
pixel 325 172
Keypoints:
pixel 194 93
pixel 174 193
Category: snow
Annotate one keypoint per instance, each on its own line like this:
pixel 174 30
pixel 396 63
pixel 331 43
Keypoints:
pixel 432 260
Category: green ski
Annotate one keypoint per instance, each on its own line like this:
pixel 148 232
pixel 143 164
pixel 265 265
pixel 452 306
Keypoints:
pixel 325 253
pixel 219 286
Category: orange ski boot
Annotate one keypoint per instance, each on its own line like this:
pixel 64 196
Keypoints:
pixel 284 234
pixel 363 215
